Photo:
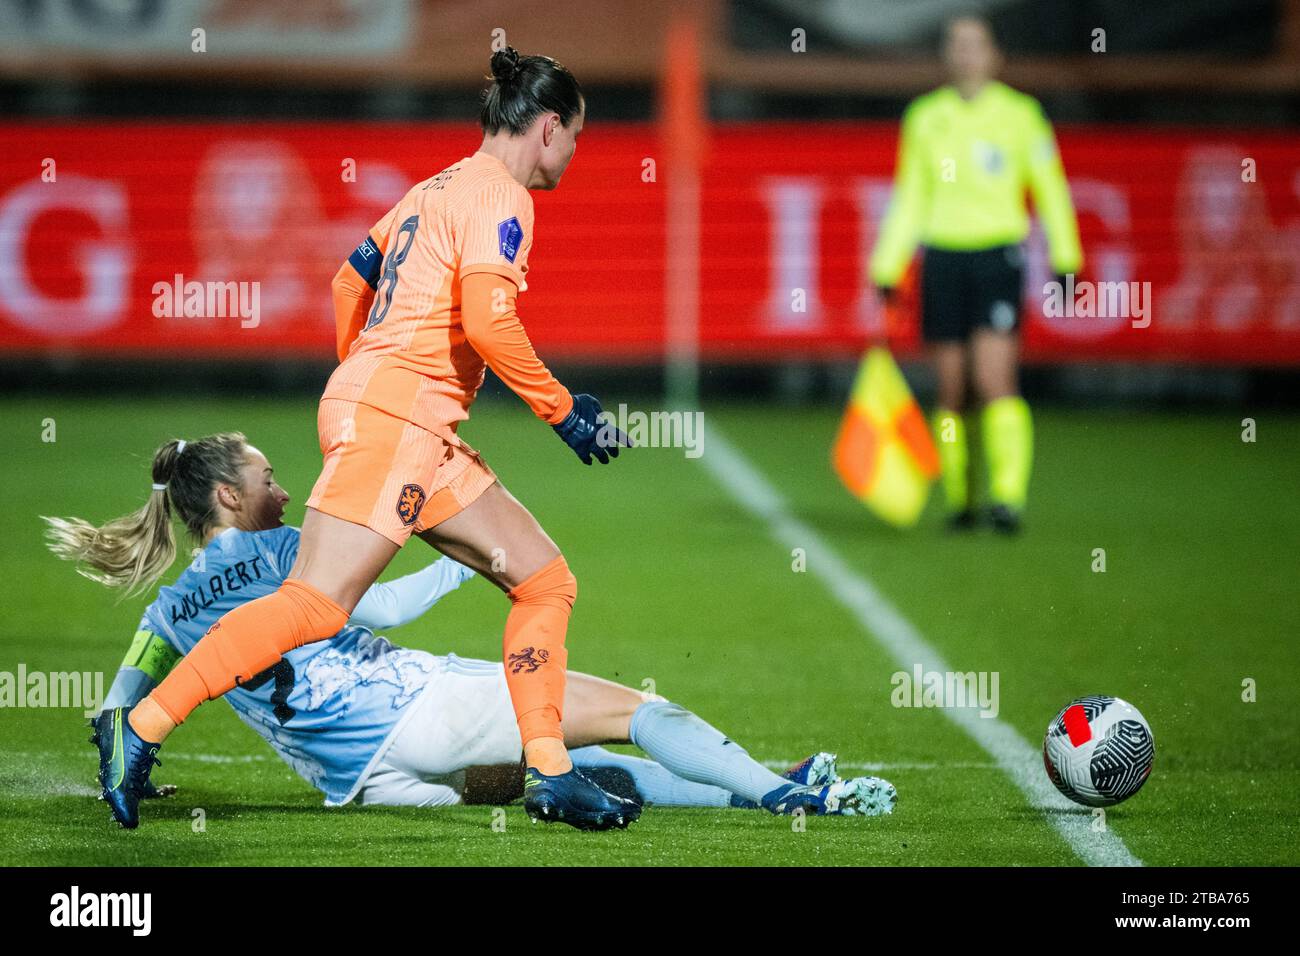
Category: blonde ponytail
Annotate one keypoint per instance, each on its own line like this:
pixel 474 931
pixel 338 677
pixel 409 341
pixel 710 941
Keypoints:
pixel 129 553
pixel 132 552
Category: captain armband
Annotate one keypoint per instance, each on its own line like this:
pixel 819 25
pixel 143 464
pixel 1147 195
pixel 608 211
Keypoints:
pixel 151 654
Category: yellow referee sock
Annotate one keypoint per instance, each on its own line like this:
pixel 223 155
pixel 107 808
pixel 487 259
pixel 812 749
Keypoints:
pixel 950 439
pixel 1009 448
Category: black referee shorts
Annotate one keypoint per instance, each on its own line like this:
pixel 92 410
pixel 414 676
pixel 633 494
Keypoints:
pixel 964 291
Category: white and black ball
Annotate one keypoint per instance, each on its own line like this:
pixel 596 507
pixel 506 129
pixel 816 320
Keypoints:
pixel 1099 751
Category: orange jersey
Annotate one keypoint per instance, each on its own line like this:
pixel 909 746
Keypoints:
pixel 407 345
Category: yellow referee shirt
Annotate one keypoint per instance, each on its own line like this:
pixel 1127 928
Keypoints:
pixel 963 168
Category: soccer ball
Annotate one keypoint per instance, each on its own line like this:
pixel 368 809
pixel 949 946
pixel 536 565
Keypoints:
pixel 1098 751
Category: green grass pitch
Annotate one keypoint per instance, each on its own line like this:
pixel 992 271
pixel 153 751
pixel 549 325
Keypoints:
pixel 679 585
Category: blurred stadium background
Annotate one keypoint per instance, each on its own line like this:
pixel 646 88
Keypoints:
pixel 233 164
pixel 734 150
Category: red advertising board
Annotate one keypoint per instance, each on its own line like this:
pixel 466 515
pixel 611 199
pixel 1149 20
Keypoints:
pixel 100 225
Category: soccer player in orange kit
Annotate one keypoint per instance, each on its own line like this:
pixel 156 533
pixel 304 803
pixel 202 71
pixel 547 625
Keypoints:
pixel 421 306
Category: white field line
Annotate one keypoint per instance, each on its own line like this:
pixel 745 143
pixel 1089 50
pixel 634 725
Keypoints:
pixel 201 758
pixel 770 764
pixel 780 765
pixel 221 758
pixel 874 767
pixel 900 638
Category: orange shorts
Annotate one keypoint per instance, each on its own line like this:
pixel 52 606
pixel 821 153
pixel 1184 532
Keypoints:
pixel 391 475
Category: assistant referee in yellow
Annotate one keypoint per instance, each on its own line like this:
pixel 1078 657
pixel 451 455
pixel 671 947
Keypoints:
pixel 968 153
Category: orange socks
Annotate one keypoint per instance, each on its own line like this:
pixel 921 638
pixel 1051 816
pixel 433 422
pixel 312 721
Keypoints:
pixel 246 641
pixel 535 655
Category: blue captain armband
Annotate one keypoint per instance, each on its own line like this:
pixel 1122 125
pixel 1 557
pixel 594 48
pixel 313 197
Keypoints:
pixel 367 260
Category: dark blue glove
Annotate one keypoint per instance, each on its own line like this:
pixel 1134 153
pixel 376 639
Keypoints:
pixel 587 435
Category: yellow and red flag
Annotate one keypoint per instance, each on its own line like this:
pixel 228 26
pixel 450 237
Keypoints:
pixel 884 453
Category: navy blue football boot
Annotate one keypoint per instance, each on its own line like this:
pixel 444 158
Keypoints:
pixel 615 781
pixel 124 764
pixel 152 791
pixel 859 797
pixel 817 770
pixel 573 799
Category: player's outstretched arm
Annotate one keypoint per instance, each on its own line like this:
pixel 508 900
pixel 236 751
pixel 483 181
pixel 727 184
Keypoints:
pixel 394 603
pixel 493 328
pixel 148 660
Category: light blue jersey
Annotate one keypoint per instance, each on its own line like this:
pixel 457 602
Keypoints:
pixel 328 708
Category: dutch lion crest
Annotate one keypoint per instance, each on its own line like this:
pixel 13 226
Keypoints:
pixel 409 503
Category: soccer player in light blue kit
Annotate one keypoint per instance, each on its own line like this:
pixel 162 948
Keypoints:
pixel 363 719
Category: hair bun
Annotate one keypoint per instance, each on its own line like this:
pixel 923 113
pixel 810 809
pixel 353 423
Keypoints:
pixel 505 64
